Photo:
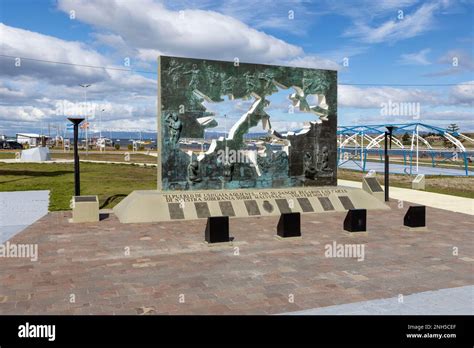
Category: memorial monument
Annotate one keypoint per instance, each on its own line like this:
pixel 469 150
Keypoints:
pixel 238 139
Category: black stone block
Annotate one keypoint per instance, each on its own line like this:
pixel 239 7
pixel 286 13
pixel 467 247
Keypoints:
pixel 356 220
pixel 217 229
pixel 415 216
pixel 289 225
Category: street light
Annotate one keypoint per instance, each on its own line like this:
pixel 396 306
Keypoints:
pixel 85 86
pixel 100 123
pixel 388 133
pixel 101 141
pixel 77 182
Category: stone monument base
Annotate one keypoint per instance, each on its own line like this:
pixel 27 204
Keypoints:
pixel 153 206
pixel 36 154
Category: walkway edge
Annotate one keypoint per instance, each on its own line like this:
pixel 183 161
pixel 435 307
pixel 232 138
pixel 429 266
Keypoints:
pixel 430 199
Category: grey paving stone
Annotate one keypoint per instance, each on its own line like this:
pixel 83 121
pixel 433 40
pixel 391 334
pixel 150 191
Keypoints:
pixel 20 209
pixel 439 302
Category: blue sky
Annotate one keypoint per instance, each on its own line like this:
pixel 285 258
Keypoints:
pixel 408 42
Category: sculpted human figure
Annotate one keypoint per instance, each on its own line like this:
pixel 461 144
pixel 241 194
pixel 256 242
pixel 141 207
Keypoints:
pixel 193 172
pixel 194 76
pixel 174 126
pixel 309 168
pixel 226 84
pixel 325 159
pixel 228 169
pixel 267 78
pixel 172 71
pixel 212 75
pixel 249 82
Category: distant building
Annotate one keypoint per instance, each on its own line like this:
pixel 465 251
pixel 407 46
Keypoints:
pixel 31 139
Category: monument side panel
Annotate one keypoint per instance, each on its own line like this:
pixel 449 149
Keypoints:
pixel 159 140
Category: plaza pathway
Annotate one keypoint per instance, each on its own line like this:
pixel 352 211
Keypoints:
pixel 20 209
pixel 166 268
pixel 431 199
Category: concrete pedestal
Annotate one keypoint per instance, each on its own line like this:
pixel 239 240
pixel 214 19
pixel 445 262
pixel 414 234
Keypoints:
pixel 85 209
pixel 372 186
pixel 37 154
pixel 152 206
pixel 419 182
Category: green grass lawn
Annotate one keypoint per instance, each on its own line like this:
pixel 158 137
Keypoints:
pixel 111 182
pixel 7 155
pixel 106 156
pixel 462 186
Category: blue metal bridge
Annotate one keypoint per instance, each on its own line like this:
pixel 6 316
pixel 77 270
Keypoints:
pixel 355 143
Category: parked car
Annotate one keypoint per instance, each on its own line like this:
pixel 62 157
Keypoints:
pixel 11 145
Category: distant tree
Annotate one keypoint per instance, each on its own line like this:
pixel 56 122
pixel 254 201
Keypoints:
pixel 452 128
pixel 426 135
pixel 405 138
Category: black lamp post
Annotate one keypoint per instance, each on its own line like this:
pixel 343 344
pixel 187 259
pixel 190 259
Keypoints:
pixel 388 133
pixel 77 181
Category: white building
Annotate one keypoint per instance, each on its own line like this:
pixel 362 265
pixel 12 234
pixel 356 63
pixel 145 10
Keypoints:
pixel 31 139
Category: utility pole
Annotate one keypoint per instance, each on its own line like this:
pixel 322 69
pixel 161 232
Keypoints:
pixel 85 86
pixel 100 123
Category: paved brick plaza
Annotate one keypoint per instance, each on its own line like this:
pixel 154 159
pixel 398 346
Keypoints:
pixel 170 259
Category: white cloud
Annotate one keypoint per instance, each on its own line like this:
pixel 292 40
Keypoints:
pixel 9 94
pixel 449 115
pixel 265 15
pixel 312 61
pixel 440 118
pixel 22 114
pixel 373 97
pixel 36 92
pixel 128 115
pixel 418 58
pixel 436 106
pixel 463 94
pixel 202 34
pixel 146 29
pixel 23 43
pixel 463 59
pixel 148 54
pixel 111 40
pixel 18 42
pixel 393 30
pixel 455 62
pixel 147 124
pixel 368 9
